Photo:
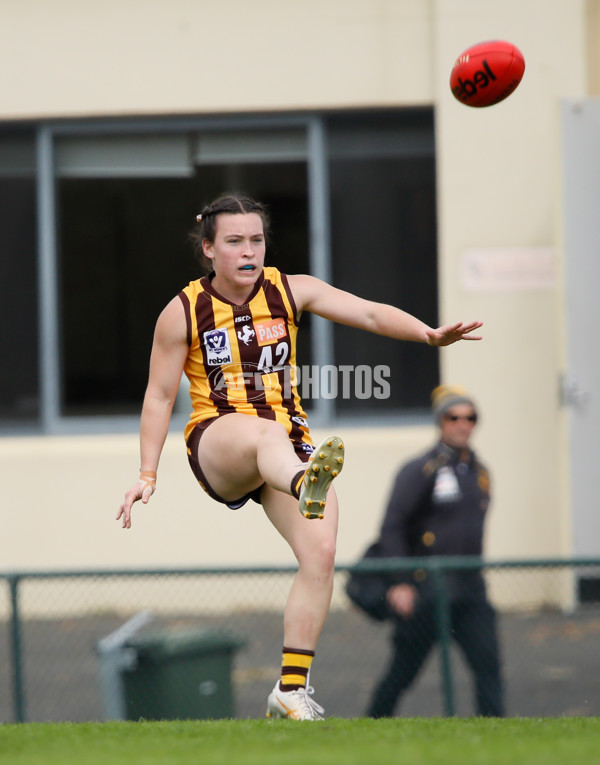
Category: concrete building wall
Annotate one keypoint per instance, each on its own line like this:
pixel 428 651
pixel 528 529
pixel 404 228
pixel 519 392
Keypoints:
pixel 67 58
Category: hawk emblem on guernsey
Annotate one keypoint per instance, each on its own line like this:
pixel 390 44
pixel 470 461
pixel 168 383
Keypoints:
pixel 245 334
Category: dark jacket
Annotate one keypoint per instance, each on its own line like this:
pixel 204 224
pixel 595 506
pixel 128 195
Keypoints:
pixel 438 506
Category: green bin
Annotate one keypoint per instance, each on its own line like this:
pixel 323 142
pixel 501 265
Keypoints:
pixel 180 675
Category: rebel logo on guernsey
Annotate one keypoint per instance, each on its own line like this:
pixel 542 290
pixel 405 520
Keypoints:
pixel 217 346
pixel 268 332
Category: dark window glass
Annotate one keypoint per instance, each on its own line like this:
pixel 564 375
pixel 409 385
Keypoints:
pixel 383 221
pixel 19 402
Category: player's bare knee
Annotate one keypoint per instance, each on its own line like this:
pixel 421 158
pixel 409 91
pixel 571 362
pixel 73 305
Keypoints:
pixel 319 556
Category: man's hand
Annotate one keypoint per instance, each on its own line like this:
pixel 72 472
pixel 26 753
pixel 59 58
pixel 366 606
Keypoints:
pixel 402 599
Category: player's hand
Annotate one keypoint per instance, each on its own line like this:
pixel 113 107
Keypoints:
pixel 451 333
pixel 143 490
pixel 402 598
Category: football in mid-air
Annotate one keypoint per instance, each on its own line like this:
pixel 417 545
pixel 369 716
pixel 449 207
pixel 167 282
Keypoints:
pixel 487 73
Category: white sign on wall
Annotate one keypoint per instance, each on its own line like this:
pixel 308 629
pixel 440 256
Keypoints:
pixel 506 269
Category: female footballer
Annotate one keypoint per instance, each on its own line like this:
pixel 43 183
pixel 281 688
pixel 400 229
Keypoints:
pixel 233 333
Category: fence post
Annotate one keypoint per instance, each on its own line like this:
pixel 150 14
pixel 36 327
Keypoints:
pixel 16 650
pixel 442 617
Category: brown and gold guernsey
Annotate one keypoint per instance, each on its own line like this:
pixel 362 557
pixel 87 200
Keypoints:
pixel 242 358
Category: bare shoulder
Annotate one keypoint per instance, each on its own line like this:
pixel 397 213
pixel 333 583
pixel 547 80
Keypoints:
pixel 305 289
pixel 314 295
pixel 171 324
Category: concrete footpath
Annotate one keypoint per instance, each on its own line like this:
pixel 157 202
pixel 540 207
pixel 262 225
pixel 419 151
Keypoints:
pixel 551 665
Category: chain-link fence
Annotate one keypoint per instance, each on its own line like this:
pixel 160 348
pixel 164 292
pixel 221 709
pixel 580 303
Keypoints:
pixel 208 643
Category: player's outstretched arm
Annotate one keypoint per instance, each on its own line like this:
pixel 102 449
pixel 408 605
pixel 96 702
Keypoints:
pixel 318 297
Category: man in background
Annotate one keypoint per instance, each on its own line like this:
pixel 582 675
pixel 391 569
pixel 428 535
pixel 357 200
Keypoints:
pixel 438 506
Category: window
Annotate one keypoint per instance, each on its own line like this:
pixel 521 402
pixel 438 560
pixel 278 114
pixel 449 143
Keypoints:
pixel 125 198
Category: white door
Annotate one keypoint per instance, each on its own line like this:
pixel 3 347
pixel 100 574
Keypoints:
pixel 581 385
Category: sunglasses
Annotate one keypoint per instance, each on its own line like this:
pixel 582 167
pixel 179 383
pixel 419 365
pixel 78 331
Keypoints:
pixel 456 417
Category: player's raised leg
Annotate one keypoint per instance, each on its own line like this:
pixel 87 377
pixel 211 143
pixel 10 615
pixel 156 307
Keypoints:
pixel 239 453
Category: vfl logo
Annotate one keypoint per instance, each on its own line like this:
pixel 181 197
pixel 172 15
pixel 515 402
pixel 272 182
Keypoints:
pixel 245 334
pixel 218 349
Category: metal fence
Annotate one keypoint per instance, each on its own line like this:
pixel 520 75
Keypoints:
pixel 53 657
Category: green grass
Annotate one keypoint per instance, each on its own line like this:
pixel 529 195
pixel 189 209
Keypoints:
pixel 431 741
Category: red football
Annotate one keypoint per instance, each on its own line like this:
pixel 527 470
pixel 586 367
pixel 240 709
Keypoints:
pixel 487 73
